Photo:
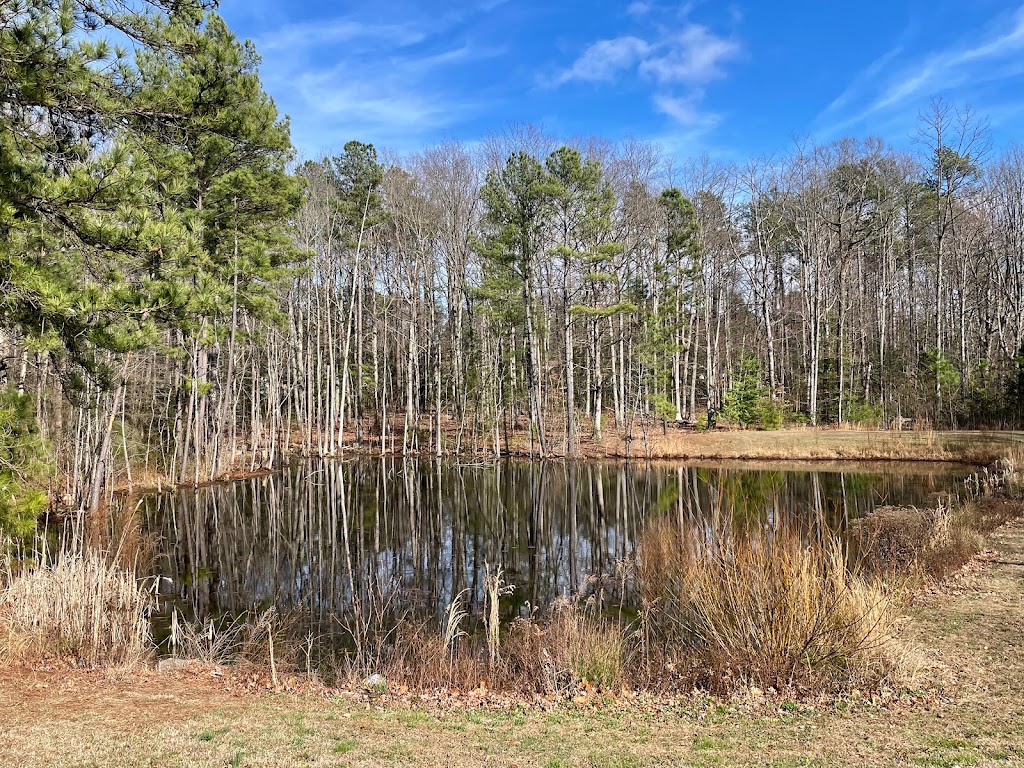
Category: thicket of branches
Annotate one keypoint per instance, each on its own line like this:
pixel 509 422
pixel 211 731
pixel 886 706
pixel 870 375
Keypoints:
pixel 180 299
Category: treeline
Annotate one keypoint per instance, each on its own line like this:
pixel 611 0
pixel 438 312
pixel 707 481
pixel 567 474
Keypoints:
pixel 530 294
pixel 181 299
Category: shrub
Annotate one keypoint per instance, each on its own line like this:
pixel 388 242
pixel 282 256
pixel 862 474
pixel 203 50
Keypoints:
pixel 747 402
pixel 928 543
pixel 857 411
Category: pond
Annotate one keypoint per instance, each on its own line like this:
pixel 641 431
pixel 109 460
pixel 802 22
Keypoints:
pixel 319 532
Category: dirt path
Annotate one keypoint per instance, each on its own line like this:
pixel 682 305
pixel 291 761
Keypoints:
pixel 970 635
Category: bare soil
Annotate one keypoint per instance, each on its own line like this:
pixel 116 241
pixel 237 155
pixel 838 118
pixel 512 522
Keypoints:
pixel 966 708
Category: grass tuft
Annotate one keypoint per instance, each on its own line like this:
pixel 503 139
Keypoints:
pixel 83 607
pixel 769 607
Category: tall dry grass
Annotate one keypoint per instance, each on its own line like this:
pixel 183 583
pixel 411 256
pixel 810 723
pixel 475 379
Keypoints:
pixel 907 543
pixel 257 641
pixel 81 607
pixel 770 607
pixel 719 608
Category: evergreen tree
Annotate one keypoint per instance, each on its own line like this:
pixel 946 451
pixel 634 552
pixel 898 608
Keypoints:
pixel 217 158
pixel 24 466
pixel 518 204
pixel 72 202
pixel 747 402
pixel 582 207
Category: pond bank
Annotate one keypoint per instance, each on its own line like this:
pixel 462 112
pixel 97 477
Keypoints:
pixel 968 633
pixel 808 446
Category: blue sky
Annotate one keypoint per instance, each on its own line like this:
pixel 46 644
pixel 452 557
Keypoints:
pixel 726 79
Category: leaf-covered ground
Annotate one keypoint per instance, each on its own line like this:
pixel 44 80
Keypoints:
pixel 968 635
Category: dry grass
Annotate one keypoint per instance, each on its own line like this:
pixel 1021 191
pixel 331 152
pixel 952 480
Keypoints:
pixel 259 642
pixel 569 649
pixel 558 653
pixel 721 610
pixel 971 636
pixel 765 608
pixel 653 440
pixel 807 444
pixel 81 607
pixel 927 544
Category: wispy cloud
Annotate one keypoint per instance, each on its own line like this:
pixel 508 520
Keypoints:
pixel 682 109
pixel 391 84
pixel 606 59
pixel 896 82
pixel 688 59
pixel 866 77
pixel 695 55
pixel 306 36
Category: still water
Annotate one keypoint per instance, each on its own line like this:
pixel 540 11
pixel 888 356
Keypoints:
pixel 322 531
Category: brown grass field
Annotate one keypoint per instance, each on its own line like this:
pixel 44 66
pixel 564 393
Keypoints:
pixel 654 440
pixel 807 445
pixel 965 708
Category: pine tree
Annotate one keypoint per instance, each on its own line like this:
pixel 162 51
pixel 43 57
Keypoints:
pixel 518 204
pixel 69 194
pixel 217 155
pixel 583 205
pixel 24 466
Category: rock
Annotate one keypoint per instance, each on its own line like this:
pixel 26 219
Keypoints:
pixel 171 665
pixel 375 681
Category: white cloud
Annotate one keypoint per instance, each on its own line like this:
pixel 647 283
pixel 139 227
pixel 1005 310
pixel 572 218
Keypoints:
pixel 390 84
pixel 393 105
pixel 682 109
pixel 638 8
pixel 688 60
pixel 695 55
pixel 295 38
pixel 605 59
pixel 876 68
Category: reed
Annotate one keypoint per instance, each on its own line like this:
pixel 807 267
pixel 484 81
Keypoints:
pixel 454 615
pixel 769 607
pixel 82 607
pixel 495 588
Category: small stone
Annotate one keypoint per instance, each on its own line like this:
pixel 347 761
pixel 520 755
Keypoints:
pixel 375 681
pixel 171 665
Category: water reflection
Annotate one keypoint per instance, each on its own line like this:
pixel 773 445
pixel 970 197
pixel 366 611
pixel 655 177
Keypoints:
pixel 323 532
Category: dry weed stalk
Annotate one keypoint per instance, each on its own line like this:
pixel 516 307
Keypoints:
pixel 83 607
pixel 495 588
pixel 261 639
pixel 372 625
pixel 454 615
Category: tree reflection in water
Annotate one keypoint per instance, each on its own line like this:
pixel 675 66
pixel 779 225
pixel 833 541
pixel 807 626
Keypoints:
pixel 322 533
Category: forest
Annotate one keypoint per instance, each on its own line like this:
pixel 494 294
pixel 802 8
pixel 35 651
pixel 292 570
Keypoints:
pixel 182 296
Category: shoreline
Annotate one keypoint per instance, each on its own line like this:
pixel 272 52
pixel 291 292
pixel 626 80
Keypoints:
pixel 809 449
pixel 962 710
